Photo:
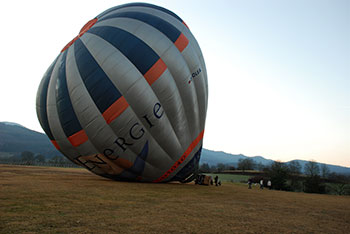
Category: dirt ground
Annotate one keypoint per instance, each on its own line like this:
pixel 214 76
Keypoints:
pixel 61 200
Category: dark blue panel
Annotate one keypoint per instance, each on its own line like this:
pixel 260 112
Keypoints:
pixel 169 30
pixel 43 101
pixel 100 87
pixel 139 53
pixel 138 166
pixel 66 114
pixel 141 5
pixel 191 168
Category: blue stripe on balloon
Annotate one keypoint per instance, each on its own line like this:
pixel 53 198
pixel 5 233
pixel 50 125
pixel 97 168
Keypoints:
pixel 66 114
pixel 138 52
pixel 140 5
pixel 189 168
pixel 138 166
pixel 169 30
pixel 100 87
pixel 43 102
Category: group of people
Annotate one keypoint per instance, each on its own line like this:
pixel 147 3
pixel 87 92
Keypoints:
pixel 207 180
pixel 269 184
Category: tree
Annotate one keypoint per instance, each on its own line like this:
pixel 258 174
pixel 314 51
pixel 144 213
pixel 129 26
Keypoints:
pixel 340 188
pixel 57 160
pixel 246 164
pixel 294 168
pixel 325 171
pixel 260 166
pixel 204 167
pixel 312 168
pixel 278 173
pixel 39 158
pixel 213 168
pixel 231 168
pixel 340 184
pixel 220 167
pixel 27 157
pixel 312 183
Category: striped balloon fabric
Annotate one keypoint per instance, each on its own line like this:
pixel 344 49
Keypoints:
pixel 127 97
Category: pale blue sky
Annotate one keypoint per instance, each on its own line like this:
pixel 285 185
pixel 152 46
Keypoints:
pixel 278 71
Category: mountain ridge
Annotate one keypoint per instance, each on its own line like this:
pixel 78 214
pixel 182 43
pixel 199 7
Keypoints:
pixel 15 138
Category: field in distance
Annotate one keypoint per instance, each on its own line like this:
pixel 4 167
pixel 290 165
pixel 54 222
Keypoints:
pixel 62 200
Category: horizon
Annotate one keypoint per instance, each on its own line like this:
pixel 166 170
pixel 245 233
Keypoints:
pixel 216 151
pixel 278 72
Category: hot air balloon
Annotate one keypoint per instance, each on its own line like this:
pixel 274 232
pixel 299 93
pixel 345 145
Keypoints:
pixel 127 97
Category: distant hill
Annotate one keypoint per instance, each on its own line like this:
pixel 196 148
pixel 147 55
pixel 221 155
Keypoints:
pixel 215 157
pixel 12 124
pixel 14 139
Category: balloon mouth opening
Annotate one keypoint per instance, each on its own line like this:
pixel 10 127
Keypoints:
pixel 83 30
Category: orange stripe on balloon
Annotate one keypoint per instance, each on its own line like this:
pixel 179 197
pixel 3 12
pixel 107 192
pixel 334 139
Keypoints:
pixel 116 109
pixel 78 138
pixel 182 159
pixel 84 29
pixel 87 26
pixel 123 163
pixel 185 24
pixel 181 42
pixel 70 43
pixel 55 144
pixel 155 71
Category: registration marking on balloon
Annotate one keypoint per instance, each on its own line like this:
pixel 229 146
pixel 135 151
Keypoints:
pixel 182 159
pixel 195 74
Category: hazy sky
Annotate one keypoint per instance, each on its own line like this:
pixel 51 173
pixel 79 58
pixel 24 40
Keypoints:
pixel 278 71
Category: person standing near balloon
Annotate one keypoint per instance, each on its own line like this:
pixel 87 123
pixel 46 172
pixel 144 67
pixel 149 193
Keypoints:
pixel 216 179
pixel 269 184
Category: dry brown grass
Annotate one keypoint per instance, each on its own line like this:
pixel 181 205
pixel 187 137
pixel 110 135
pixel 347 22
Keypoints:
pixel 60 200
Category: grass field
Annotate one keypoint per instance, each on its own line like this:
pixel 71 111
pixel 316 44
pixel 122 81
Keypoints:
pixel 60 200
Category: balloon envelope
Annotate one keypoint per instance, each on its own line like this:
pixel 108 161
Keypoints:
pixel 127 97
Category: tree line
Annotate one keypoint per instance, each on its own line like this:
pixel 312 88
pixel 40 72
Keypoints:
pixel 284 176
pixel 289 176
pixel 29 158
